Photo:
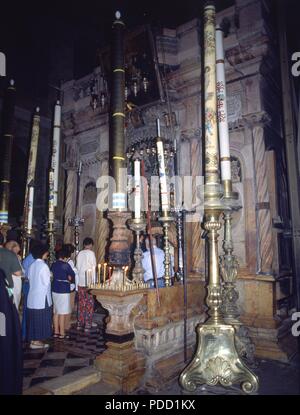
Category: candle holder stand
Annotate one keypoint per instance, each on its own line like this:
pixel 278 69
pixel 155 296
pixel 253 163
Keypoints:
pixel 26 237
pixel 216 359
pixel 229 271
pixel 138 226
pixel 166 219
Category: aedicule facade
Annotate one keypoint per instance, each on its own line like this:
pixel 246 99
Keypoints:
pixel 258 164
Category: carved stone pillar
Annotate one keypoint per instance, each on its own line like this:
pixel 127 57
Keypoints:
pixel 198 244
pixel 102 226
pixel 70 166
pixel 69 203
pixel 263 213
pixel 121 364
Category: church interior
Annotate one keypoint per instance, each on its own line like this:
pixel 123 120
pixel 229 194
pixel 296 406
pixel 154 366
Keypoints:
pixel 163 128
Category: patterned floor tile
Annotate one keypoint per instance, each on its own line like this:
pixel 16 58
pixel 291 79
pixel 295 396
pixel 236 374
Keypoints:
pixel 70 369
pixel 31 363
pixel 49 371
pixel 77 362
pixel 55 355
pixel 52 362
pixel 29 372
pixel 36 381
pixel 62 357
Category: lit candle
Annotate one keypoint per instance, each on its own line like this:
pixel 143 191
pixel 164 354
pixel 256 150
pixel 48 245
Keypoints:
pixel 222 108
pixel 99 273
pixel 56 147
pixel 104 271
pixel 137 185
pixel 30 208
pixel 123 268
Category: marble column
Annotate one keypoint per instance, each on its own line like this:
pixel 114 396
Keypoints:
pixel 70 203
pixel 265 250
pixel 198 244
pixel 102 226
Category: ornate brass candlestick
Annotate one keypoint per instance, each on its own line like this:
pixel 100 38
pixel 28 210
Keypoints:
pixel 229 271
pixel 138 226
pixel 216 359
pixel 166 220
pixel 26 237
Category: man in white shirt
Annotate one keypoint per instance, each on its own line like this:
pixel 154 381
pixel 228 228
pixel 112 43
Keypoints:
pixel 86 260
pixel 159 257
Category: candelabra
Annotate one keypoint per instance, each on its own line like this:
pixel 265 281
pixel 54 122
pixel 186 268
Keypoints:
pixel 216 359
pixel 138 226
pixel 76 222
pixel 179 223
pixel 166 220
pixel 26 237
pixel 229 270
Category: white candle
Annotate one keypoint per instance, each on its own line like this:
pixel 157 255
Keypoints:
pixel 51 198
pixel 162 176
pixel 137 185
pixel 56 147
pixel 222 108
pixel 30 208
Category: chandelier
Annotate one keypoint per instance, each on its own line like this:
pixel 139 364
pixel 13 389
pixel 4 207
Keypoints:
pixel 137 77
pixel 98 92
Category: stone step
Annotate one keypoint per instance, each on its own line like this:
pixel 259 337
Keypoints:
pixel 67 384
pixel 100 388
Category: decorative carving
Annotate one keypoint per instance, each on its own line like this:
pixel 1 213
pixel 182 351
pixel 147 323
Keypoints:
pixel 198 243
pixel 234 108
pixel 217 362
pixel 88 148
pixel 102 226
pixel 236 170
pixel 90 193
pixel 69 204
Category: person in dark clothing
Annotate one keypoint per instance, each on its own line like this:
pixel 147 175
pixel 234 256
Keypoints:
pixel 11 355
pixel 63 277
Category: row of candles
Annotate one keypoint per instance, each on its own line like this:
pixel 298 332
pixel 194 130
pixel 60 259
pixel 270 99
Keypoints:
pixel 121 287
pixel 101 274
pixel 223 133
pixel 162 178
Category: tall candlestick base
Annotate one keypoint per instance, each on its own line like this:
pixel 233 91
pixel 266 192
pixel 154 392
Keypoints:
pixel 137 226
pixel 166 221
pixel 229 271
pixel 216 359
pixel 26 238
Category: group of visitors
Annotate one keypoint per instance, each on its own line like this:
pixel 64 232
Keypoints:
pixel 47 295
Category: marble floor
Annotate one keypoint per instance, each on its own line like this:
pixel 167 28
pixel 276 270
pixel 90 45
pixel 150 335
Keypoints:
pixel 62 357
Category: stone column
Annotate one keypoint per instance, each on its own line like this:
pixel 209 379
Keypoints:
pixel 265 251
pixel 71 168
pixel 198 244
pixel 70 203
pixel 102 226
